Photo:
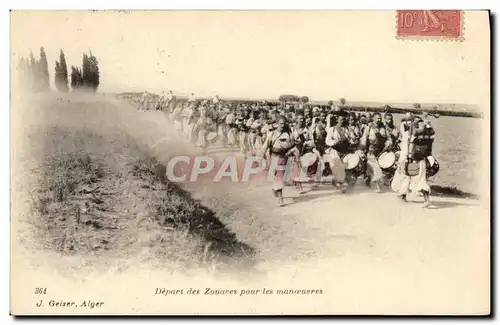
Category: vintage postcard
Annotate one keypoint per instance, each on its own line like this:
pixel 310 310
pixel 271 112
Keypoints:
pixel 250 162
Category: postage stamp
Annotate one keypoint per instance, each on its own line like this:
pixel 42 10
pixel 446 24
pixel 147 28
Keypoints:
pixel 430 24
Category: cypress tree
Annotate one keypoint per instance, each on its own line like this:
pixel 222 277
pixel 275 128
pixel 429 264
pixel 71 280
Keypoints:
pixel 86 72
pixel 74 78
pixel 63 72
pixel 57 76
pixel 44 82
pixel 33 73
pixel 94 68
pixel 81 81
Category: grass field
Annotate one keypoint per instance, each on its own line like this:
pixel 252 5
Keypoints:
pixel 96 191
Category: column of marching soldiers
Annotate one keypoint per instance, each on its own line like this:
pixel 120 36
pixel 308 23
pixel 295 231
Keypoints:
pixel 329 140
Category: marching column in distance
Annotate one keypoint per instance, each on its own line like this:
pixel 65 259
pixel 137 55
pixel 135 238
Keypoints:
pixel 244 126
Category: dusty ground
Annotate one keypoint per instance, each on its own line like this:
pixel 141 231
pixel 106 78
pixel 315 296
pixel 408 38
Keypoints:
pixel 364 238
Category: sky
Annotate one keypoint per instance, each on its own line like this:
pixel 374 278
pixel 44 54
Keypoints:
pixel 262 54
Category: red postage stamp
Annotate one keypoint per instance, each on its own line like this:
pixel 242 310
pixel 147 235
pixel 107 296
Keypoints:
pixel 437 24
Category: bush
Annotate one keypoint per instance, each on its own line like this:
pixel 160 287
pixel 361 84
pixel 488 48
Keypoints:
pixel 66 172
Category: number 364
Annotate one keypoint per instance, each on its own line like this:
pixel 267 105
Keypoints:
pixel 40 291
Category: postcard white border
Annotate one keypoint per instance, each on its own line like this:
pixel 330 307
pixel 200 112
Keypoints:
pixel 179 4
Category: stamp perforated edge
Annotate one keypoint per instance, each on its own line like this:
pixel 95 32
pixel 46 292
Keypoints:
pixel 434 38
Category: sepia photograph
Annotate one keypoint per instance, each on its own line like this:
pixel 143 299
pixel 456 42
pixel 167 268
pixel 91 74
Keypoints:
pixel 258 162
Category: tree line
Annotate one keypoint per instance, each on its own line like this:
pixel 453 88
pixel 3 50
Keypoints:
pixel 293 98
pixel 34 73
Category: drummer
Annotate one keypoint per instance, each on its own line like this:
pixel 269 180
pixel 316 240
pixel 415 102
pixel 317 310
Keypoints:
pixel 304 137
pixel 319 137
pixel 373 142
pixel 416 145
pixel 280 144
pixel 337 145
